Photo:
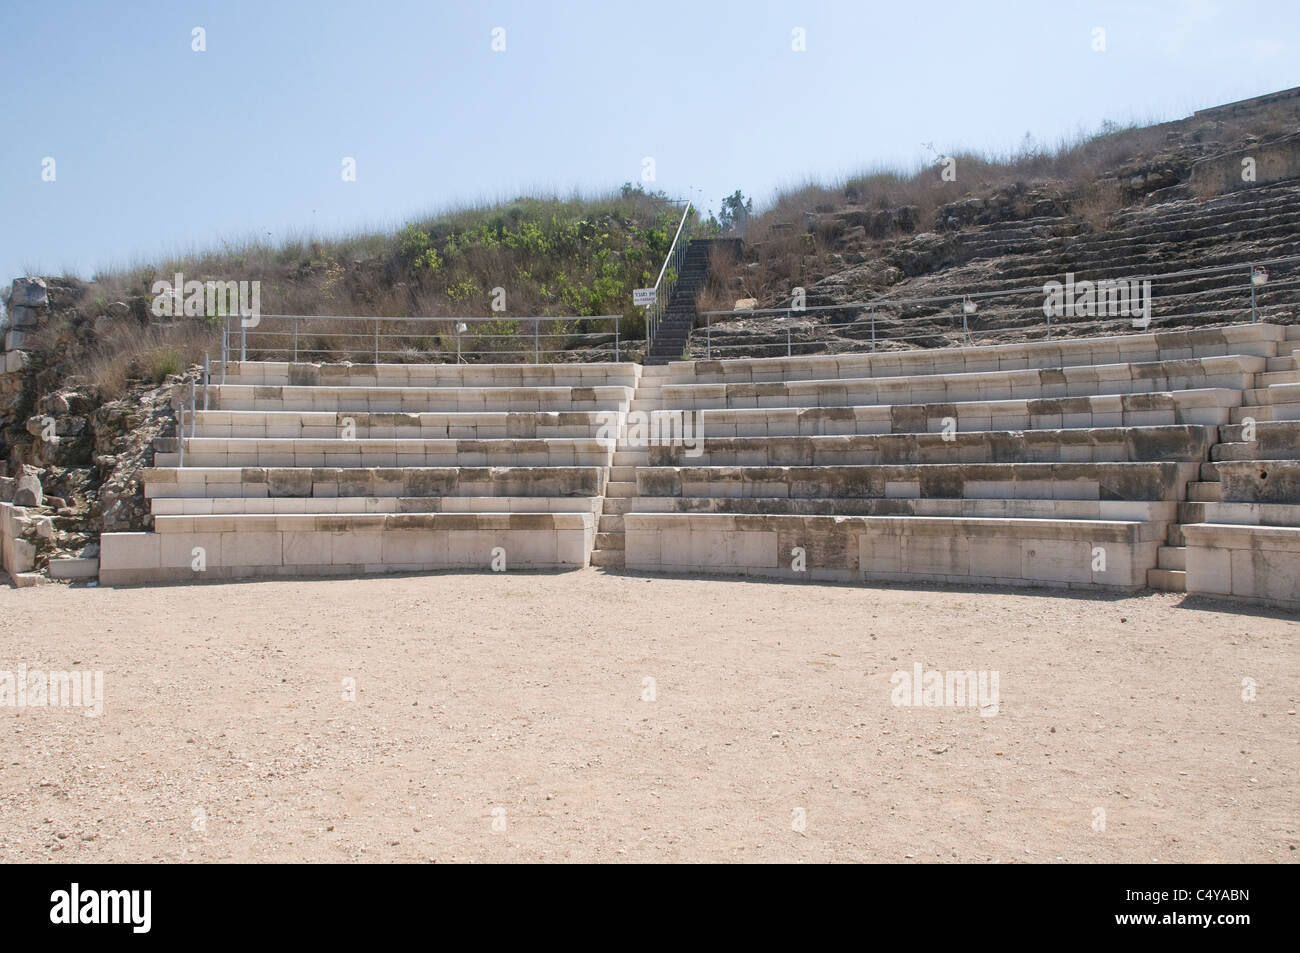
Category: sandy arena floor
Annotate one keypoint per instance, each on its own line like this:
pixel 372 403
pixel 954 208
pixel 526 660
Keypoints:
pixel 516 701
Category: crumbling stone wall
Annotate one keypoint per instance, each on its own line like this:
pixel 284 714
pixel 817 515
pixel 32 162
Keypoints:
pixel 69 461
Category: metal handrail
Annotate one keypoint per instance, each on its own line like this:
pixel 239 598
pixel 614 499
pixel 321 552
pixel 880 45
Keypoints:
pixel 229 344
pixel 667 277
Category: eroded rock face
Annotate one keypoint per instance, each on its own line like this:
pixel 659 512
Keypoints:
pixel 124 432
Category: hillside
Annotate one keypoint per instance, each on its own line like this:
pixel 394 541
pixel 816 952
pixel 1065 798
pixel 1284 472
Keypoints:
pixel 1147 202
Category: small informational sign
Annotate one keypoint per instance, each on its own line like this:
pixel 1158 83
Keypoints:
pixel 643 297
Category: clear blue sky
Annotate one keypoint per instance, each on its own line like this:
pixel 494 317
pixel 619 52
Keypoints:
pixel 159 149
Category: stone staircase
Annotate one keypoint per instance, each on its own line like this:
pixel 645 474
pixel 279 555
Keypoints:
pixel 302 469
pixel 1065 463
pixel 679 318
pixel 1275 439
pixel 621 487
pixel 1129 461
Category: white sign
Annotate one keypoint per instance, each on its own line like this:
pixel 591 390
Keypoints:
pixel 643 297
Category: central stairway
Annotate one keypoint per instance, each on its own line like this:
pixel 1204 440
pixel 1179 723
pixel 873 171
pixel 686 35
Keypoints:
pixel 679 318
pixel 629 456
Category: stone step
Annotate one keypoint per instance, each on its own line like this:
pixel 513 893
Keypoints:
pixel 202 506
pixel 898 548
pixel 1269 434
pixel 407 452
pixel 417 399
pixel 1287 363
pixel 73 568
pixel 1246 339
pixel 1110 481
pixel 1171 557
pixel 1293 332
pixel 1271 378
pixel 609 540
pixel 617 506
pixel 1270 412
pixel 1255 450
pixel 363 522
pixel 610 523
pixel 622 474
pixel 231 547
pixel 1162 511
pixel 1253 514
pixel 1234 372
pixel 1210 472
pixel 1259 563
pixel 1202 492
pixel 485 425
pixel 1209 406
pixel 278 373
pixel 631 458
pixel 608 558
pixel 644 405
pixel 1276 394
pixel 620 489
pixel 372 482
pixel 1167 580
pixel 1260 481
pixel 1108 444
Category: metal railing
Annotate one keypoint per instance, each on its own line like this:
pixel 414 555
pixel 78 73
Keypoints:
pixel 427 340
pixel 668 275
pixel 1251 291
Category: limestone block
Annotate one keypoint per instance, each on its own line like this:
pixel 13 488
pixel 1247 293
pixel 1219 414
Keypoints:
pixel 27 489
pixel 29 292
pixel 126 551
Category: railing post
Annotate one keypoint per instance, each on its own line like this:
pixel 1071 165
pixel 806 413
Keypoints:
pixel 243 340
pixel 295 339
pixel 787 333
pixel 1254 310
pixel 616 319
pixel 193 415
pixel 207 374
pixel 537 340
pixel 873 329
pixel 376 340
pixel 708 336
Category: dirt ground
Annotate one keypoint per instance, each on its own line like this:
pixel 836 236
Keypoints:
pixel 510 718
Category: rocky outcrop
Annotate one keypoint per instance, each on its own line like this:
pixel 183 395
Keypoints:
pixel 1176 205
